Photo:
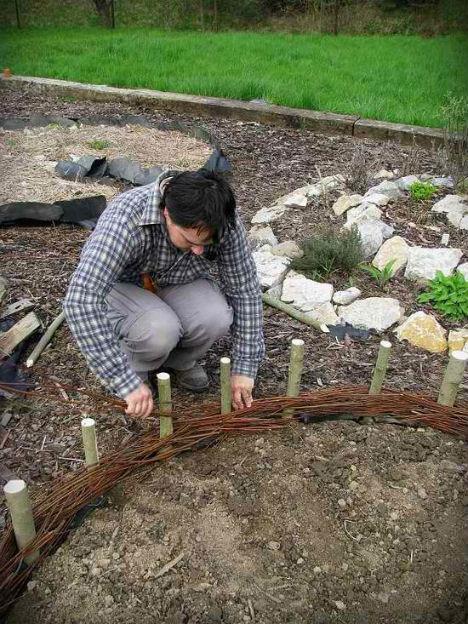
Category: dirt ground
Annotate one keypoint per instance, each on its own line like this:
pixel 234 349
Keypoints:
pixel 336 522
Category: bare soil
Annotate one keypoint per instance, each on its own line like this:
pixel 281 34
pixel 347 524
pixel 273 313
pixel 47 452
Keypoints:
pixel 335 522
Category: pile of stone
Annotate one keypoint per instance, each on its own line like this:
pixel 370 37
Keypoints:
pixel 320 301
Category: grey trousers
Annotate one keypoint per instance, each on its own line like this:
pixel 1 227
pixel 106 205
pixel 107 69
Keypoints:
pixel 175 327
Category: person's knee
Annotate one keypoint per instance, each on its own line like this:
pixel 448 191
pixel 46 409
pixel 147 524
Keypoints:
pixel 212 324
pixel 154 335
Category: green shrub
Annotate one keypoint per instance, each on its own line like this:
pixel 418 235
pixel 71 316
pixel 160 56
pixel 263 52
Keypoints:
pixel 448 295
pixel 381 276
pixel 99 144
pixel 329 252
pixel 422 190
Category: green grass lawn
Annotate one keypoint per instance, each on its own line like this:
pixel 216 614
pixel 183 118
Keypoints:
pixel 396 78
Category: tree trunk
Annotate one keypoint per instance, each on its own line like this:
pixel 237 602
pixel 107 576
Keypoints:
pixel 104 10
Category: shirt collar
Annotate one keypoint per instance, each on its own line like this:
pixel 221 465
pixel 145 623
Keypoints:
pixel 152 213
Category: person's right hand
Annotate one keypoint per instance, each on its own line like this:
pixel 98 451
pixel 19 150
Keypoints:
pixel 139 402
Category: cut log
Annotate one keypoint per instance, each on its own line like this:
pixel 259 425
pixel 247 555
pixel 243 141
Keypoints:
pixel 16 334
pixel 19 306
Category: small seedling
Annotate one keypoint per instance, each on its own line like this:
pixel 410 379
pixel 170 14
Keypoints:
pixel 420 191
pixel 99 144
pixel 448 294
pixel 381 276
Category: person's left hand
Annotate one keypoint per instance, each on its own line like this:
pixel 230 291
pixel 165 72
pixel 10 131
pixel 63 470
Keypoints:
pixel 241 387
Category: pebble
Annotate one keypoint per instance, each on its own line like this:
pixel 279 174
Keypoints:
pixel 300 560
pixel 31 585
pixel 340 605
pixel 342 503
pixel 317 570
pixel 108 600
pixel 274 545
pixel 422 493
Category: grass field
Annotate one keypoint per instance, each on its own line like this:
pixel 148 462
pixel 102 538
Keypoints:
pixel 396 78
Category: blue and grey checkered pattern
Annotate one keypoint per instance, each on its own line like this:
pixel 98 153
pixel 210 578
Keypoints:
pixel 130 239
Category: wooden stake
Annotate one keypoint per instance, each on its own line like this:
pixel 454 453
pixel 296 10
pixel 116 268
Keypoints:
pixel 380 367
pixel 46 338
pixel 452 378
pixel 296 363
pixel 225 374
pixel 88 433
pixel 19 505
pixel 165 405
pixel 296 314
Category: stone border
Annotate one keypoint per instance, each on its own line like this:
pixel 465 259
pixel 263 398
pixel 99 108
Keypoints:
pixel 326 123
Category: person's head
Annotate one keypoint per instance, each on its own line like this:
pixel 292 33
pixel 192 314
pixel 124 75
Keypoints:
pixel 198 206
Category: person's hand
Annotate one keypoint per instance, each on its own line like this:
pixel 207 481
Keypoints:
pixel 139 402
pixel 241 388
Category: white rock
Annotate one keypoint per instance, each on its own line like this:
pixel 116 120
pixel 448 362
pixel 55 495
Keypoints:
pixel 289 249
pixel 405 182
pixel 384 174
pixel 377 313
pixel 378 199
pixel 303 293
pixel 259 235
pixel 267 215
pixel 330 183
pixel 324 313
pixel 424 262
pixel 270 269
pixel 463 268
pixel 345 202
pixel 363 212
pixel 345 297
pixel 396 249
pixel 371 237
pixel 463 225
pixel 445 182
pixel 296 200
pixel 454 206
pixel 445 239
pixel 388 188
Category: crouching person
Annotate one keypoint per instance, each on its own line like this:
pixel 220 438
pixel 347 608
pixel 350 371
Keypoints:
pixel 143 295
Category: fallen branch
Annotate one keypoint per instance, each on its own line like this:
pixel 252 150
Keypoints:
pixel 22 305
pixel 44 341
pixel 303 317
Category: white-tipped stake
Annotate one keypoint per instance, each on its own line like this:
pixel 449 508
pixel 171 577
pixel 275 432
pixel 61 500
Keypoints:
pixel 452 378
pixel 380 367
pixel 88 434
pixel 296 364
pixel 225 380
pixel 22 518
pixel 165 405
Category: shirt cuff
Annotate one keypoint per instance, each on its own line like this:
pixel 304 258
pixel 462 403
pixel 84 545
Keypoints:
pixel 125 384
pixel 245 367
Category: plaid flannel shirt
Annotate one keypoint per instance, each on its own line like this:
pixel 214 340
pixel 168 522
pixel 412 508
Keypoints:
pixel 130 239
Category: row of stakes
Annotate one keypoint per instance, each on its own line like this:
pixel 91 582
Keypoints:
pixel 16 491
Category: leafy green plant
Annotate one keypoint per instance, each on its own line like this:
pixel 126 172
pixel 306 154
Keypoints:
pixel 448 295
pixel 328 252
pixel 381 276
pixel 422 190
pixel 99 144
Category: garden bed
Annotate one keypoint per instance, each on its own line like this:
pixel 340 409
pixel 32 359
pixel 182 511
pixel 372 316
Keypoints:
pixel 227 509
